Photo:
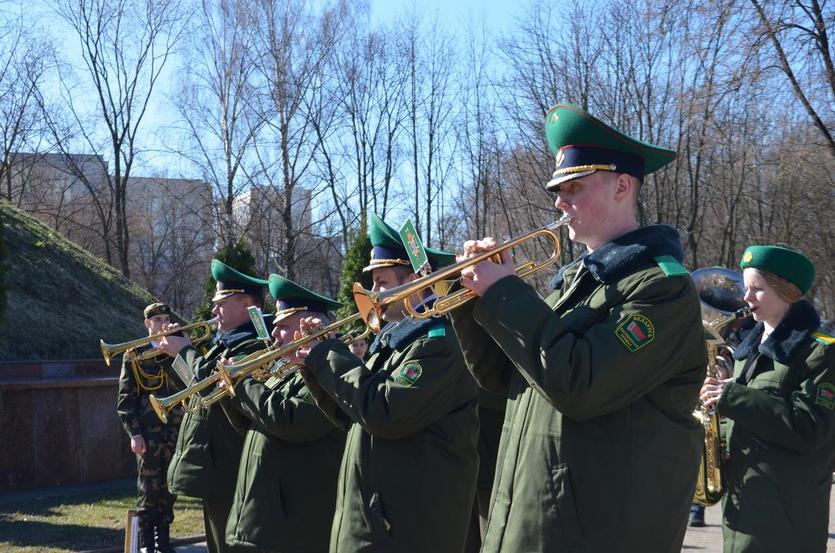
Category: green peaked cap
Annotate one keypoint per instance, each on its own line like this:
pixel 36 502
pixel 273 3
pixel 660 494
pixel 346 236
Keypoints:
pixel 783 262
pixel 291 297
pixel 231 282
pixel 388 249
pixel 583 144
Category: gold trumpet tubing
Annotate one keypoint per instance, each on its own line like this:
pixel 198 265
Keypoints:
pixel 718 327
pixel 163 405
pixel 221 393
pixel 372 304
pixel 109 351
pixel 238 370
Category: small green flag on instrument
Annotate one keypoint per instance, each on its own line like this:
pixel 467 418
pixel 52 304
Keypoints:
pixel 182 370
pixel 257 318
pixel 414 248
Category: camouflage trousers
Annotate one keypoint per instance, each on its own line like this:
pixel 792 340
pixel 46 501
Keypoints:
pixel 155 503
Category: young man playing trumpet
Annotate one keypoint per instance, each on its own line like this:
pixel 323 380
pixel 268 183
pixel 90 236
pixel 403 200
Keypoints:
pixel 409 470
pixel 284 499
pixel 151 440
pixel 205 464
pixel 600 450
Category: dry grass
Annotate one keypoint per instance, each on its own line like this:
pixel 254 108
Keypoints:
pixel 80 518
pixel 61 299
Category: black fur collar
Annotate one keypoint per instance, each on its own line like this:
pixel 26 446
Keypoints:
pixel 796 327
pixel 628 253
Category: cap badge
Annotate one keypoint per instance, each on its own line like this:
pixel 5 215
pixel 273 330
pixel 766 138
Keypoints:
pixel 560 158
pixel 747 257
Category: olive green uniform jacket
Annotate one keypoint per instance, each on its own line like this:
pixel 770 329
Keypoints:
pixel 600 450
pixel 408 474
pixel 286 491
pixel 780 434
pixel 208 447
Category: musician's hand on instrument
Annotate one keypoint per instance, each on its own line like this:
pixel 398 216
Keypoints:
pixel 173 345
pixel 481 276
pixel 221 383
pixel 137 445
pixel 307 326
pixel 712 390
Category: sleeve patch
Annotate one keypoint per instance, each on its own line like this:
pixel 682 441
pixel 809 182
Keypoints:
pixel 671 266
pixel 826 395
pixel 409 374
pixel 437 332
pixel 635 332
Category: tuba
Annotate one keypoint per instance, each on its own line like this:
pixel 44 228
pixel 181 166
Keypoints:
pixel 720 293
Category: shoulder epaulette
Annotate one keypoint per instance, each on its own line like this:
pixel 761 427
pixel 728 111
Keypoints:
pixel 823 338
pixel 671 266
pixel 438 331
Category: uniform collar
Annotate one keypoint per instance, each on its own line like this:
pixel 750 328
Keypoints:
pixel 627 253
pixel 402 333
pixel 797 326
pixel 240 333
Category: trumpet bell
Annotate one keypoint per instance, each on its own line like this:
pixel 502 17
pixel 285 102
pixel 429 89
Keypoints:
pixel 109 351
pixel 368 306
pixel 371 305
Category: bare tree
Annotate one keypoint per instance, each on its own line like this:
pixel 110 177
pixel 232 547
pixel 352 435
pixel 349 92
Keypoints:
pixel 798 32
pixel 23 63
pixel 220 121
pixel 125 45
pixel 292 57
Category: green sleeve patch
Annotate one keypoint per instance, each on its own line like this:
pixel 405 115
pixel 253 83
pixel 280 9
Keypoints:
pixel 409 373
pixel 437 332
pixel 823 338
pixel 826 395
pixel 635 332
pixel 671 266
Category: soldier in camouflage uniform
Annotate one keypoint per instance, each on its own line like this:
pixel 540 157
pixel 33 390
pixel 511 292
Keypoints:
pixel 151 440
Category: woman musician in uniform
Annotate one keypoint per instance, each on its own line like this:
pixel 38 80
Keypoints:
pixel 780 408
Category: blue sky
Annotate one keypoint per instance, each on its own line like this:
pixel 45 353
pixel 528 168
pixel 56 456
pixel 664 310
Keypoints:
pixel 497 14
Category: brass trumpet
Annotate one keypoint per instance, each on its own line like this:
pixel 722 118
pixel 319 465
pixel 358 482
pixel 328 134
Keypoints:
pixel 235 371
pixel 163 405
pixel 371 305
pixel 109 351
pixel 257 362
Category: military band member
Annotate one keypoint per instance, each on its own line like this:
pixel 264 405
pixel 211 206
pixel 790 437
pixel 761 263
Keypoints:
pixel 779 409
pixel 491 411
pixel 284 500
pixel 600 450
pixel 205 463
pixel 151 440
pixel 408 474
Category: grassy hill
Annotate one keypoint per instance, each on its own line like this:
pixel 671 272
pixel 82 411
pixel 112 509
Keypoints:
pixel 61 299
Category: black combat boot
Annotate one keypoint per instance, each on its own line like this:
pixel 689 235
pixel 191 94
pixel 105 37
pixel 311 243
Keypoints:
pixel 163 539
pixel 146 539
